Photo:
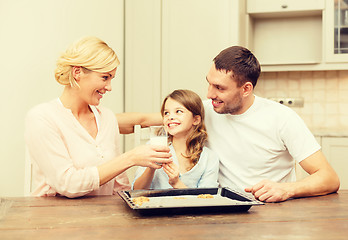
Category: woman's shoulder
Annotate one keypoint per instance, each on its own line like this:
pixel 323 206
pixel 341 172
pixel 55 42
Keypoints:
pixel 43 115
pixel 43 109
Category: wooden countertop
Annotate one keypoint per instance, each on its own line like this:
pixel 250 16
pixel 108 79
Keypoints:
pixel 109 217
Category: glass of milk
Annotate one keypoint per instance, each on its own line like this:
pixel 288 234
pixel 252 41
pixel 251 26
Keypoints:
pixel 158 135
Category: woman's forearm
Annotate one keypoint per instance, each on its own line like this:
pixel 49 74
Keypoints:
pixel 113 168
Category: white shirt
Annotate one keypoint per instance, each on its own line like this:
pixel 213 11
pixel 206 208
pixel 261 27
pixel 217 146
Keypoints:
pixel 261 143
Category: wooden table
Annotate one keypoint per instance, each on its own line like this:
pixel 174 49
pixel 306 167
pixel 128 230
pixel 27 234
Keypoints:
pixel 108 217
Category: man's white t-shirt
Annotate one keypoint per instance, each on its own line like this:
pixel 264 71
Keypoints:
pixel 262 143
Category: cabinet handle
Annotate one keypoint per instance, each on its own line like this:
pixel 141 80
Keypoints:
pixel 284 6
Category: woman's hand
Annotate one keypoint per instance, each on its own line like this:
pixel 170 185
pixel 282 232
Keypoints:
pixel 172 170
pixel 152 156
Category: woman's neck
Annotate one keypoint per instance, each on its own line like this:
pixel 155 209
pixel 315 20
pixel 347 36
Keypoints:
pixel 71 100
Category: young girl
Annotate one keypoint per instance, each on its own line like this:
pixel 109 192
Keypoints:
pixel 194 165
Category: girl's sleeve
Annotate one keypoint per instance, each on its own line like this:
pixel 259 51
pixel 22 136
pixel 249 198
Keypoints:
pixel 46 147
pixel 210 176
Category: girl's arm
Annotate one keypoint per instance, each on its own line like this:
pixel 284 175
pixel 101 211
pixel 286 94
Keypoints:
pixel 145 180
pixel 126 121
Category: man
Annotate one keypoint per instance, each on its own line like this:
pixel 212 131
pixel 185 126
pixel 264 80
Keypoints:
pixel 258 140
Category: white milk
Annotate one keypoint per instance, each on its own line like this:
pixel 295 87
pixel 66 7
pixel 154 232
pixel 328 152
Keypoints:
pixel 159 140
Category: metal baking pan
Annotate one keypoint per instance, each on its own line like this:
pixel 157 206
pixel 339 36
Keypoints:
pixel 189 200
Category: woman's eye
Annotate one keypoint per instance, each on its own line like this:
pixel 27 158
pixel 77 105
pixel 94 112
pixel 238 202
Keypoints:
pixel 105 78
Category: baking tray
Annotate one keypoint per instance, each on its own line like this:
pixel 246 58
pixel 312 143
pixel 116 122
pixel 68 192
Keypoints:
pixel 189 200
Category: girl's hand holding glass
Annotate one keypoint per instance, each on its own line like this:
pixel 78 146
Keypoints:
pixel 172 170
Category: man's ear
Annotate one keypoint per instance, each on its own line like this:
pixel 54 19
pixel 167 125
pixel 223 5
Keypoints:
pixel 196 120
pixel 247 89
pixel 76 72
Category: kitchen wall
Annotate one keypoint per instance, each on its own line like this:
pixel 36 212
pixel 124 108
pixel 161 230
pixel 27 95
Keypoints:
pixel 32 35
pixel 325 95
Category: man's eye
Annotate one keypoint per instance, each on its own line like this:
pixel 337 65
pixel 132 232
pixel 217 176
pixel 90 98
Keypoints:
pixel 179 111
pixel 105 77
pixel 165 113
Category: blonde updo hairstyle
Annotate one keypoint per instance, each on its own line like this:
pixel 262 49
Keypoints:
pixel 90 53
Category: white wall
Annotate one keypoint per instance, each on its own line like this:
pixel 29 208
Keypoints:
pixel 169 43
pixel 32 35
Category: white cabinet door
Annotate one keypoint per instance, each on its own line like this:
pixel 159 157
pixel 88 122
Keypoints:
pixel 336 25
pixel 269 6
pixel 170 44
pixel 143 50
pixel 336 151
pixel 193 33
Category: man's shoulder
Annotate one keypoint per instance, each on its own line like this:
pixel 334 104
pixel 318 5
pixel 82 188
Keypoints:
pixel 273 106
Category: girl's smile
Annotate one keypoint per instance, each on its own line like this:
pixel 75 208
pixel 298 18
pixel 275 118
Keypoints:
pixel 178 120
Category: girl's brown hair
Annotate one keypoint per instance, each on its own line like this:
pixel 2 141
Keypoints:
pixel 192 102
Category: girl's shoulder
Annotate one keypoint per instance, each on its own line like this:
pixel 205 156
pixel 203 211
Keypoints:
pixel 209 154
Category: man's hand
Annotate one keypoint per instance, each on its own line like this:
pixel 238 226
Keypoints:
pixel 268 191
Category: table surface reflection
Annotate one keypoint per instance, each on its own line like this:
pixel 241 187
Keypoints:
pixel 324 217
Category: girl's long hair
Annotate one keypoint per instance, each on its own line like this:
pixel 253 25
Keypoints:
pixel 197 139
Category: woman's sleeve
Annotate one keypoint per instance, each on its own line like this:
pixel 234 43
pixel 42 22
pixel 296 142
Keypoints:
pixel 210 176
pixel 46 146
pixel 122 180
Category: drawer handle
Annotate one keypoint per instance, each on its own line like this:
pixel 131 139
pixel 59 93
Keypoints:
pixel 284 6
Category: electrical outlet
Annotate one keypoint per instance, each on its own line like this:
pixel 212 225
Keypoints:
pixel 290 102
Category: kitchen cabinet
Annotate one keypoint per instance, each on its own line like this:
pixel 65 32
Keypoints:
pixel 193 33
pixel 290 7
pixel 170 44
pixel 336 151
pixel 337 30
pixel 285 32
pixel 296 35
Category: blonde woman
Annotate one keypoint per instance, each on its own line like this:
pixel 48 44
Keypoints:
pixel 73 142
pixel 194 165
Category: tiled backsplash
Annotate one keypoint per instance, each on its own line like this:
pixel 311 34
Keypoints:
pixel 325 95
